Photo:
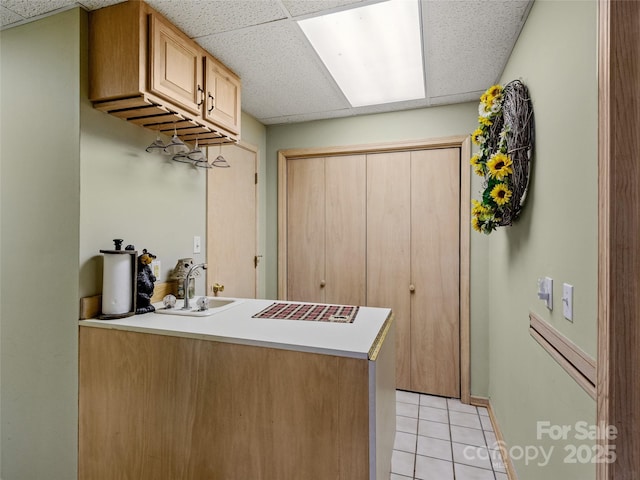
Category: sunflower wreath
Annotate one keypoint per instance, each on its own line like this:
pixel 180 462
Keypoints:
pixel 505 138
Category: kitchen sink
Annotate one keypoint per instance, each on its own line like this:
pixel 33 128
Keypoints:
pixel 216 305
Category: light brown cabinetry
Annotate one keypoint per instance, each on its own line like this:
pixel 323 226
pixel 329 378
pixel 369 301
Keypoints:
pixel 160 407
pixel 394 222
pixel 176 66
pixel 145 70
pixel 222 103
pixel 327 205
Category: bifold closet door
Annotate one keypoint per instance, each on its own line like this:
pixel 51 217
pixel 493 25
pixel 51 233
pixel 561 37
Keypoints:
pixel 345 230
pixel 305 232
pixel 413 262
pixel 435 272
pixel 326 229
pixel 389 248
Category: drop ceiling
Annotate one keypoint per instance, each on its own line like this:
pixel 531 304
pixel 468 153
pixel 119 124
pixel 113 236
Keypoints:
pixel 466 44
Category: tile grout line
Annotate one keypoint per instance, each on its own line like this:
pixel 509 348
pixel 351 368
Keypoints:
pixel 453 460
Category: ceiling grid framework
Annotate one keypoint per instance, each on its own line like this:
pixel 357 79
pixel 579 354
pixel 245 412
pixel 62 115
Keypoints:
pixel 466 44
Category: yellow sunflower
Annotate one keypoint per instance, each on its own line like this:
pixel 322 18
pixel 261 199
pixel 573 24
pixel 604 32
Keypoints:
pixel 480 211
pixel 494 91
pixel 478 137
pixel 484 121
pixel 500 166
pixel 475 161
pixel 475 223
pixel 501 194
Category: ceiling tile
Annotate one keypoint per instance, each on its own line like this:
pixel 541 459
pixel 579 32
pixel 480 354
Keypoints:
pixel 467 43
pixel 95 4
pixel 33 8
pixel 8 17
pixel 298 8
pixel 198 18
pixel 280 72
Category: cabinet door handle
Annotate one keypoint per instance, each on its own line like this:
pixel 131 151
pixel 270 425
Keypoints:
pixel 322 283
pixel 213 105
pixel 201 92
pixel 412 288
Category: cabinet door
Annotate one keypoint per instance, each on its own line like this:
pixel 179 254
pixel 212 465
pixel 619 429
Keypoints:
pixel 305 232
pixel 345 230
pixel 222 105
pixel 231 222
pixel 176 66
pixel 389 248
pixel 435 267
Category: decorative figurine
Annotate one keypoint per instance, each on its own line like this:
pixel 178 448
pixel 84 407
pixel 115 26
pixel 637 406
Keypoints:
pixel 145 281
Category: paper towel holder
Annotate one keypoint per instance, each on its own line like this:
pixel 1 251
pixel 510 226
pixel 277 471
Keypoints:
pixel 134 269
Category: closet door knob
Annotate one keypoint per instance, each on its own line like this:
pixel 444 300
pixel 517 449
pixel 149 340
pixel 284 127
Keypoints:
pixel 322 283
pixel 412 288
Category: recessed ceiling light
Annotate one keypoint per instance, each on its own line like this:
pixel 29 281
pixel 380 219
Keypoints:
pixel 374 52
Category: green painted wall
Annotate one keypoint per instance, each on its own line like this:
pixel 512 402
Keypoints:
pixel 40 205
pixel 148 200
pixel 557 236
pixel 81 177
pixel 73 178
pixel 387 127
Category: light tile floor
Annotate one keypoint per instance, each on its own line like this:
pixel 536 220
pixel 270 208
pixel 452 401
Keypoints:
pixel 443 439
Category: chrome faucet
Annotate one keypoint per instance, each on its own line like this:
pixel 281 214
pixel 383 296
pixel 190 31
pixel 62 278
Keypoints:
pixel 185 285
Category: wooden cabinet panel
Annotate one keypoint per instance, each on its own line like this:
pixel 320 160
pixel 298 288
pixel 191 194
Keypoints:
pixel 156 407
pixel 435 257
pixel 345 230
pixel 117 37
pixel 388 248
pixel 232 222
pixel 222 105
pixel 176 66
pixel 306 242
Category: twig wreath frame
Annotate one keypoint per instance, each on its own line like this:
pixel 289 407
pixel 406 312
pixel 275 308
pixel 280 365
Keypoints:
pixel 505 139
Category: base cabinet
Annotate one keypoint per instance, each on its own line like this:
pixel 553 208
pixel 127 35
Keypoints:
pixel 161 407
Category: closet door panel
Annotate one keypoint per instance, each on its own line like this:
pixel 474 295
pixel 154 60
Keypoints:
pixel 388 248
pixel 305 235
pixel 345 230
pixel 435 253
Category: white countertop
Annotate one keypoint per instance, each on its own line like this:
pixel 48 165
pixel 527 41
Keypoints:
pixel 235 325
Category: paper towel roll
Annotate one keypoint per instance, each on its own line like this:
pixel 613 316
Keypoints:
pixel 117 284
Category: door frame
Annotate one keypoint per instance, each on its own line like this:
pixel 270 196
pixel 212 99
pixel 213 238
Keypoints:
pixel 460 141
pixel 617 384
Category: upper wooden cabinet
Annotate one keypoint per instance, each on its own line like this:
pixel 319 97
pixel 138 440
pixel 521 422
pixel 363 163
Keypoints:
pixel 222 104
pixel 145 70
pixel 176 65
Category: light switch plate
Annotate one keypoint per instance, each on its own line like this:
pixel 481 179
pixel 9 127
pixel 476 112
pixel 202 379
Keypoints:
pixel 567 301
pixel 545 291
pixel 196 244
